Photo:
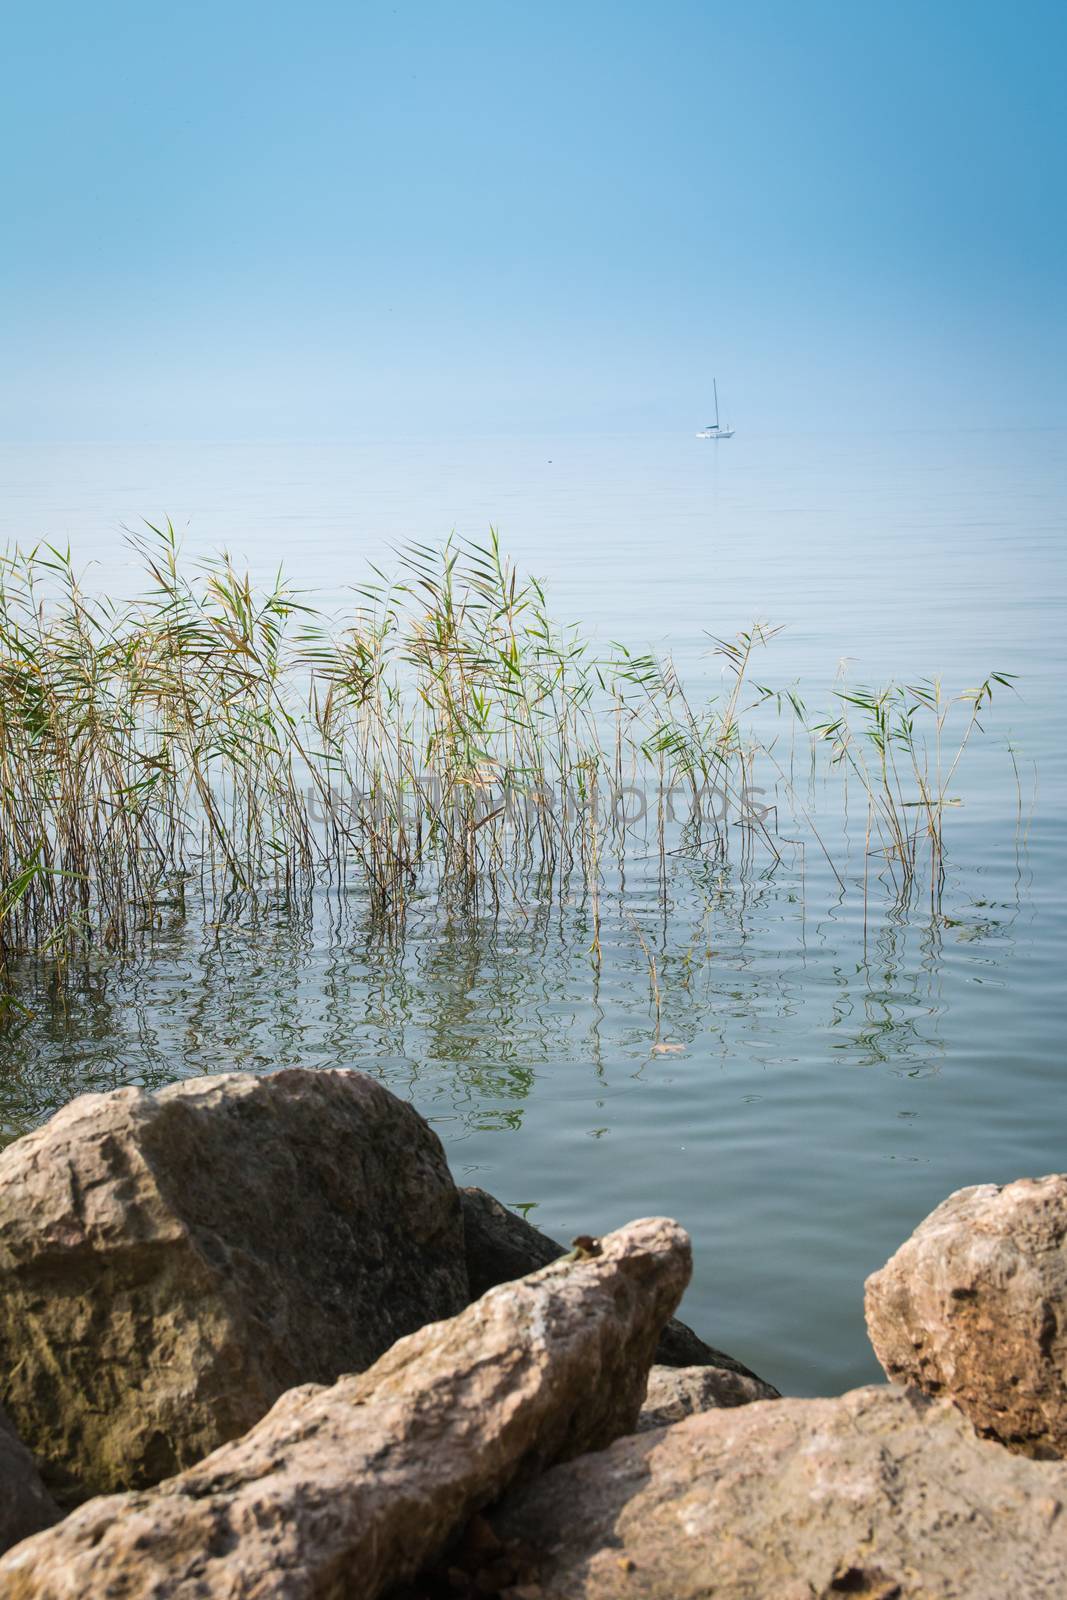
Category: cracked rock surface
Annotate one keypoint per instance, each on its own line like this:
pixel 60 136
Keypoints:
pixel 344 1491
pixel 881 1493
pixel 171 1263
pixel 974 1306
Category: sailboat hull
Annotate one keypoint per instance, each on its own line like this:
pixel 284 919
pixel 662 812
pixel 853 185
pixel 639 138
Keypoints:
pixel 716 429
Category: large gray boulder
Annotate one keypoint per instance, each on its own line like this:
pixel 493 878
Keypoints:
pixel 171 1263
pixel 501 1246
pixel 974 1306
pixel 344 1491
pixel 25 1504
pixel 881 1493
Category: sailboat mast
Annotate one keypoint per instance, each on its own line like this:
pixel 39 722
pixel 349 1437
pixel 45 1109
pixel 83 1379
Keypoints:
pixel 715 386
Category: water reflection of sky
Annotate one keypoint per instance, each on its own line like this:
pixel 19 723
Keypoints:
pixel 819 1074
pixel 804 1088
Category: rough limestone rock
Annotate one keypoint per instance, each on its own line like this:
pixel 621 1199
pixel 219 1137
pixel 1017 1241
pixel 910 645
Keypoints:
pixel 974 1306
pixel 341 1492
pixel 502 1245
pixel 881 1493
pixel 25 1504
pixel 677 1392
pixel 171 1263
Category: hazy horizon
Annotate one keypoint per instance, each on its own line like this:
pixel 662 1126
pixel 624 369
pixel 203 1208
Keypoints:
pixel 253 222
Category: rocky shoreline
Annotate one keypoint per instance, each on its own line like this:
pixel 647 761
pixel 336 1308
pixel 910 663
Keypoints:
pixel 255 1342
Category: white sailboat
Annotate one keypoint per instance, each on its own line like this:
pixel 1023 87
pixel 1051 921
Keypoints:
pixel 716 429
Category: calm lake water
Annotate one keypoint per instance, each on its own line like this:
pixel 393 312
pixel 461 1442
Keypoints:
pixel 826 1080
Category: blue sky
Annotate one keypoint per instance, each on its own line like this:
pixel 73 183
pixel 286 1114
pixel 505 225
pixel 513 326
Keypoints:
pixel 237 220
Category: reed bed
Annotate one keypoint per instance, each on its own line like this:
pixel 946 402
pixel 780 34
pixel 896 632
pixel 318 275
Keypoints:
pixel 218 745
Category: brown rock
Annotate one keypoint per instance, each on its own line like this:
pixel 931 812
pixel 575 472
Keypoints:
pixel 677 1392
pixel 171 1263
pixel 25 1504
pixel 881 1493
pixel 502 1246
pixel 974 1306
pixel 341 1492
